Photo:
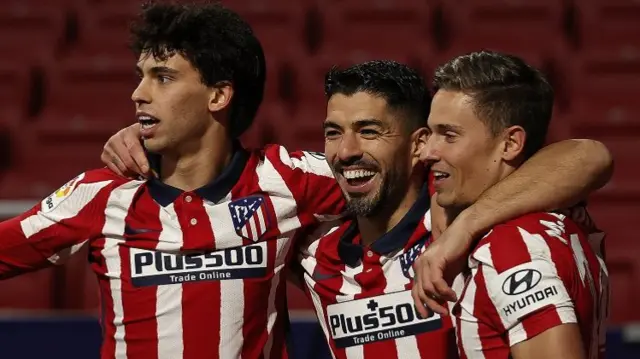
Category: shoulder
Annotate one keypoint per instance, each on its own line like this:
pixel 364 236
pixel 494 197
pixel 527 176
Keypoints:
pixel 326 234
pixel 534 236
pixel 102 175
pixel 84 188
pixel 296 162
pixel 321 243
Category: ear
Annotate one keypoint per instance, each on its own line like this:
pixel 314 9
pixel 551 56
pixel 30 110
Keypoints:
pixel 220 97
pixel 514 140
pixel 418 144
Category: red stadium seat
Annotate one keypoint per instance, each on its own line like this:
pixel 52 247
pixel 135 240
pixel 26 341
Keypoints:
pixel 63 153
pixel 611 27
pixel 377 30
pixel 306 133
pixel 15 185
pixel 33 291
pixel 507 26
pixel 23 5
pixel 279 25
pixel 267 127
pixel 83 93
pixel 30 35
pixel 617 217
pixel 310 76
pixel 77 289
pixel 605 94
pixel 15 86
pixel 624 275
pixel 624 150
pixel 104 30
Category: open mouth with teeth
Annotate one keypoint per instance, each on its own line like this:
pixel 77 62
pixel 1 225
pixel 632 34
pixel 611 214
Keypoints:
pixel 358 178
pixel 147 122
pixel 437 175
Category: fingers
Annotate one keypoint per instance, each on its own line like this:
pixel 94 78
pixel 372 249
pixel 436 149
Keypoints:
pixel 123 158
pixel 442 289
pixel 423 292
pixel 109 161
pixel 116 156
pixel 417 294
pixel 139 163
pixel 109 158
pixel 431 297
pixel 440 286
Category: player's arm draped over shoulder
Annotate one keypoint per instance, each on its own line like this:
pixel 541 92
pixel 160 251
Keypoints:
pixel 558 175
pixel 309 178
pixel 56 227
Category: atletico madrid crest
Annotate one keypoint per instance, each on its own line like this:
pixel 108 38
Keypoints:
pixel 249 217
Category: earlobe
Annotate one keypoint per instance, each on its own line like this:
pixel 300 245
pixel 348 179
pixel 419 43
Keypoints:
pixel 515 138
pixel 419 142
pixel 220 97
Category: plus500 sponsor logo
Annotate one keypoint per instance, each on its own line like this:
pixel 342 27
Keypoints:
pixel 157 268
pixel 148 262
pixel 384 317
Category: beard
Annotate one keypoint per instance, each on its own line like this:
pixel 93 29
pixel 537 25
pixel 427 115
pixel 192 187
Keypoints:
pixel 391 192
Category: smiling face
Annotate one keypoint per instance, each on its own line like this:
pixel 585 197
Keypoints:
pixel 465 157
pixel 172 103
pixel 370 152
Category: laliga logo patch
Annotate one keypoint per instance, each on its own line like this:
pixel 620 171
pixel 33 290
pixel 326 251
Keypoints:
pixel 51 202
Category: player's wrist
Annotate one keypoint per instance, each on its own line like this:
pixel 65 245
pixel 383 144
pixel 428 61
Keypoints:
pixel 471 222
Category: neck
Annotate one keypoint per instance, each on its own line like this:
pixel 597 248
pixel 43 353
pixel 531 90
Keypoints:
pixel 198 163
pixel 452 212
pixel 374 227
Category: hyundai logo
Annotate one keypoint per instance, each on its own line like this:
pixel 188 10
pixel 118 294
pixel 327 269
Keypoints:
pixel 521 281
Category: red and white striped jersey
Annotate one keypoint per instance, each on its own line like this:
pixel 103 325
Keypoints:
pixel 527 276
pixel 183 275
pixel 362 295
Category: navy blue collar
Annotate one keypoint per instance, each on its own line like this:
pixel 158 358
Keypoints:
pixel 397 238
pixel 164 194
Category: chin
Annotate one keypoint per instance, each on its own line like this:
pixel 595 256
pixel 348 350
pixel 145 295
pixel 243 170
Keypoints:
pixel 443 199
pixel 153 145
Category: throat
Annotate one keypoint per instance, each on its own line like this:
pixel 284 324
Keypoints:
pixel 191 172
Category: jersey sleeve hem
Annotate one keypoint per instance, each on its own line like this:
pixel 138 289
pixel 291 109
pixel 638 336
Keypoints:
pixel 538 322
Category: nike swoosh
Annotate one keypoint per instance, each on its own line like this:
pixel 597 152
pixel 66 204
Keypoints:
pixel 133 231
pixel 317 276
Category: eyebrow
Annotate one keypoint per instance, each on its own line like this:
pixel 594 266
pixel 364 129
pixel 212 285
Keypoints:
pixel 358 123
pixel 158 69
pixel 369 122
pixel 448 127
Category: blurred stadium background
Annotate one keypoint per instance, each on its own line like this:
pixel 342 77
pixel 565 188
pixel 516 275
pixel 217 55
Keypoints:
pixel 66 77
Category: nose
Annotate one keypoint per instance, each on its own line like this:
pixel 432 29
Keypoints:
pixel 141 94
pixel 350 148
pixel 430 152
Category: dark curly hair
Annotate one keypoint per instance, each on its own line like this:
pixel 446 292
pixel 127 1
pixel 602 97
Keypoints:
pixel 401 86
pixel 216 41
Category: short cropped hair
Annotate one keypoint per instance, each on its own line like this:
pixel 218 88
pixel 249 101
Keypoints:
pixel 505 92
pixel 216 41
pixel 401 86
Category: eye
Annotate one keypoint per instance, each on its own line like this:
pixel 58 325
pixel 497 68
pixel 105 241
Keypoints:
pixel 163 79
pixel 369 132
pixel 450 136
pixel 331 134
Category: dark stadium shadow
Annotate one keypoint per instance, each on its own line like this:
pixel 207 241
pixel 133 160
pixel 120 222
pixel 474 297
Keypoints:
pixel 6 151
